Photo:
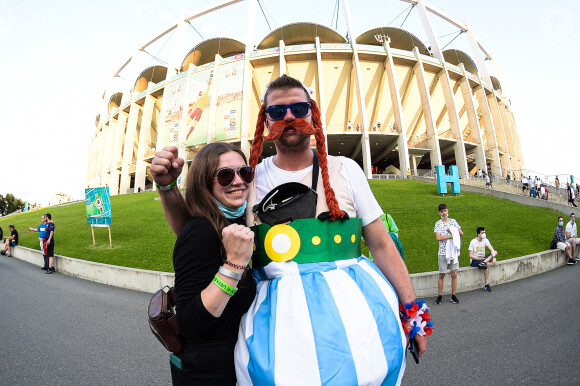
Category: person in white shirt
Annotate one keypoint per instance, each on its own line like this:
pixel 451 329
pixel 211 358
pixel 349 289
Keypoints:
pixel 572 236
pixel 478 257
pixel 443 234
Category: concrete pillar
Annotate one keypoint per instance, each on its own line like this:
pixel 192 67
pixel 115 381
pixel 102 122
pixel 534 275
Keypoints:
pixel 282 58
pixel 117 153
pixel 500 131
pixel 248 122
pixel 321 93
pixel 459 147
pixel 432 137
pixel 480 160
pixel 213 99
pixel 101 154
pixel 366 150
pixel 128 147
pixel 487 120
pixel 509 136
pixel 398 110
pixel 144 140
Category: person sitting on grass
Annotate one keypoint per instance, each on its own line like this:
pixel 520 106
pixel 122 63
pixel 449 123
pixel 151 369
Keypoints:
pixel 561 243
pixel 478 257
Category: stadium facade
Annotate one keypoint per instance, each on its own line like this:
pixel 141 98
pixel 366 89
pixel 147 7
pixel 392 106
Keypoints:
pixel 388 101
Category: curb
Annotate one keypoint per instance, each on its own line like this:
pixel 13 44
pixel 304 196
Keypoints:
pixel 425 283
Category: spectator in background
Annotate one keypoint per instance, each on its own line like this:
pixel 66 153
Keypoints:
pixel 41 229
pixel 571 194
pixel 11 241
pixel 444 230
pixel 533 191
pixel 543 192
pixel 557 183
pixel 507 178
pixel 547 193
pixel 478 257
pixel 1 233
pixel 524 184
pixel 561 243
pixel 572 236
pixel 49 242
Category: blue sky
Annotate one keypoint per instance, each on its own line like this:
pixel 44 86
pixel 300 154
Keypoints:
pixel 58 58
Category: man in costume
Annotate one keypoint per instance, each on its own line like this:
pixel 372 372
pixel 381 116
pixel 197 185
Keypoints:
pixel 323 314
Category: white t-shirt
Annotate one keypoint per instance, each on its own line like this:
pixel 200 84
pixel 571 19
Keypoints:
pixel 269 176
pixel 441 227
pixel 571 228
pixel 478 247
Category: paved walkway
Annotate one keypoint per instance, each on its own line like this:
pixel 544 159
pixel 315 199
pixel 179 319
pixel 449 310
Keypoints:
pixel 59 330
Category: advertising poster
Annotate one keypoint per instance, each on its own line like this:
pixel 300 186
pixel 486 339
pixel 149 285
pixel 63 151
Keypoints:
pixel 98 206
pixel 197 120
pixel 174 110
pixel 229 101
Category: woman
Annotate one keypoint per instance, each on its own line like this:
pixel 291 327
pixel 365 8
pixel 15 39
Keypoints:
pixel 210 260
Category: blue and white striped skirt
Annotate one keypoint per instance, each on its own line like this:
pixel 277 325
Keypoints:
pixel 331 323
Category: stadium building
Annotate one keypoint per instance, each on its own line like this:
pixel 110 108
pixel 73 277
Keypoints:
pixel 391 102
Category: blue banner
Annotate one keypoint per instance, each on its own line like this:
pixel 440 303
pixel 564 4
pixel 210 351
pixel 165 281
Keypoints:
pixel 98 206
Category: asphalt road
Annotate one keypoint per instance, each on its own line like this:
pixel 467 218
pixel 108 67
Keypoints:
pixel 59 330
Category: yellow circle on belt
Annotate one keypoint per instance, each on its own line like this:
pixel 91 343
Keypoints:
pixel 337 239
pixel 353 238
pixel 316 240
pixel 282 243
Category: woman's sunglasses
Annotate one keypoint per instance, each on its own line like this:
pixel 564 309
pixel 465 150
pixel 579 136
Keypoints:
pixel 299 110
pixel 226 176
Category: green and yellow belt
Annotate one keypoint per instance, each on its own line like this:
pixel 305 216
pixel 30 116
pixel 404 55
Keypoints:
pixel 307 241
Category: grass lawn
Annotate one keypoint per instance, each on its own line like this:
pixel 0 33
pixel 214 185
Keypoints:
pixel 142 239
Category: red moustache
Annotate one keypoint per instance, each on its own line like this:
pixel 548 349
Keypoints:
pixel 300 124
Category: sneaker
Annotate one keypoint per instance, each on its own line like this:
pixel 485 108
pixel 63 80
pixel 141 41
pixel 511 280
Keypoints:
pixel 454 299
pixel 49 271
pixel 44 268
pixel 571 262
pixel 52 269
pixel 438 300
pixel 487 288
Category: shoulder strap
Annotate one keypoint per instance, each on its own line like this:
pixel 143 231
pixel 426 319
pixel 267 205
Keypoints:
pixel 315 171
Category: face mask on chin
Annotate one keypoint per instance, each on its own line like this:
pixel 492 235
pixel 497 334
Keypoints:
pixel 444 217
pixel 561 223
pixel 483 236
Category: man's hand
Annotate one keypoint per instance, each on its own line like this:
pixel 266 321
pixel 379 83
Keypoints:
pixel 166 166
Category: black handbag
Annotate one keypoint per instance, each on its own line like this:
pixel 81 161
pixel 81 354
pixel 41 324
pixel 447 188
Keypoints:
pixel 290 201
pixel 163 320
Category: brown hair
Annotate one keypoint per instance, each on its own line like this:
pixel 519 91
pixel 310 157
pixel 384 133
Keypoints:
pixel 284 82
pixel 198 188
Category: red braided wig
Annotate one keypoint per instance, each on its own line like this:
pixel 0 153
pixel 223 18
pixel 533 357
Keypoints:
pixel 306 128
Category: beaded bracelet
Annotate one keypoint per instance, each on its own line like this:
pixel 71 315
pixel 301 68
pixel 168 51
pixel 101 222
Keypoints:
pixel 224 286
pixel 418 316
pixel 244 267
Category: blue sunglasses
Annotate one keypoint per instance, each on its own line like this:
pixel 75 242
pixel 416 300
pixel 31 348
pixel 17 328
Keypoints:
pixel 299 110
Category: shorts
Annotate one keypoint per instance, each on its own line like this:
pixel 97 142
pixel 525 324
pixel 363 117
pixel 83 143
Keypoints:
pixel 562 246
pixel 49 250
pixel 571 240
pixel 443 265
pixel 476 263
pixel 196 114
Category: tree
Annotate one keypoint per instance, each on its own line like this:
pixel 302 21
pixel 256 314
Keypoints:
pixel 10 204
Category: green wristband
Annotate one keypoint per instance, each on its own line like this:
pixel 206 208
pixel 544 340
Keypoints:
pixel 167 187
pixel 224 286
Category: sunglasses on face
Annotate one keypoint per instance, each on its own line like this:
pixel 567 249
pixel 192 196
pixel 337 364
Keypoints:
pixel 299 110
pixel 226 176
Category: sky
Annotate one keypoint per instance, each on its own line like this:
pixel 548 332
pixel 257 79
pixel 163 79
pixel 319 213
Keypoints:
pixel 59 57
